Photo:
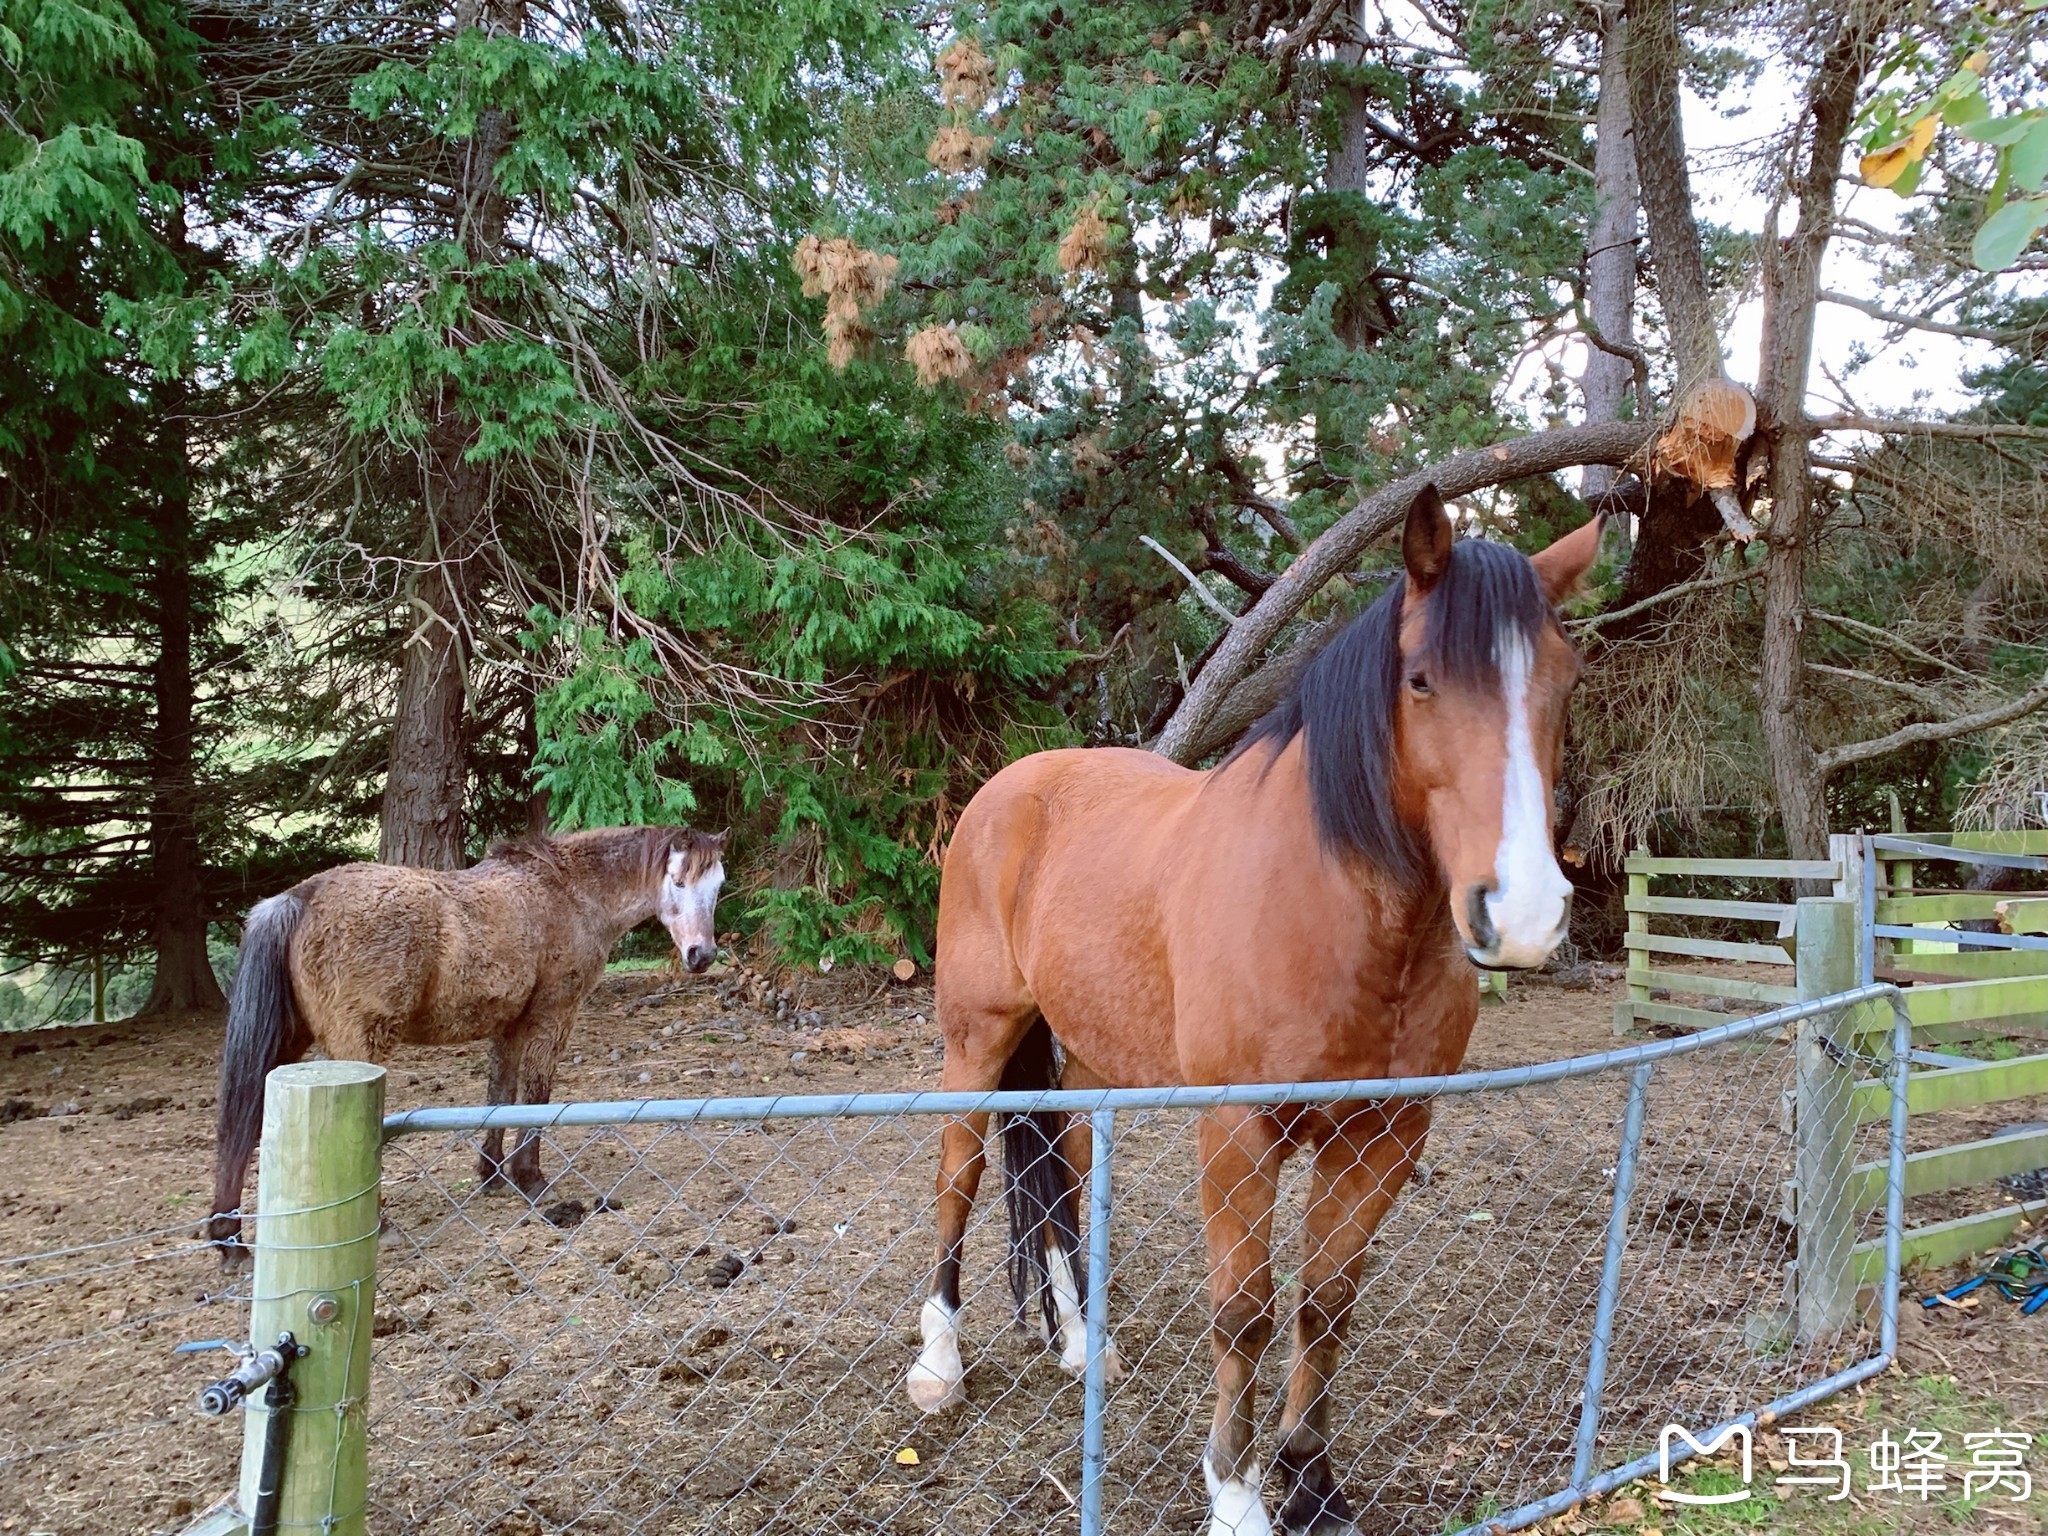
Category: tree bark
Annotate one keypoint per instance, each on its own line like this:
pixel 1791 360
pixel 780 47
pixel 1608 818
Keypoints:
pixel 1611 244
pixel 184 975
pixel 1792 278
pixel 422 812
pixel 1655 52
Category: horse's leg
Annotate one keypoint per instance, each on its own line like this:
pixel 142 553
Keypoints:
pixel 1077 1146
pixel 1360 1167
pixel 490 1163
pixel 1241 1151
pixel 938 1377
pixel 978 1045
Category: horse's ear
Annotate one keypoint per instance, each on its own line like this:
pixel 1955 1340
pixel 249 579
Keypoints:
pixel 1564 564
pixel 718 838
pixel 1426 540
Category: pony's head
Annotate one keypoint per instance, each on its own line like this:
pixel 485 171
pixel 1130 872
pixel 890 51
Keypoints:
pixel 688 902
pixel 1434 728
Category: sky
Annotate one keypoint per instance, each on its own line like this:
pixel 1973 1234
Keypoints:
pixel 1918 374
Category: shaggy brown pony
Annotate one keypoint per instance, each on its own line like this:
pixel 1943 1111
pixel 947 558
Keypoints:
pixel 364 957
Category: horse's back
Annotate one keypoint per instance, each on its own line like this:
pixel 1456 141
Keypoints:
pixel 1050 902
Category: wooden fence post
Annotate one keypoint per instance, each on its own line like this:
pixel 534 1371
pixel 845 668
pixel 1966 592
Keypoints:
pixel 316 1264
pixel 1638 922
pixel 1824 1122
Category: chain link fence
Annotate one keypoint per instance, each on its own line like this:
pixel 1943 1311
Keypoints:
pixel 704 1325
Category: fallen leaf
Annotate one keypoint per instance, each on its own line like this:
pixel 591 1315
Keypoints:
pixel 1623 1511
pixel 906 1457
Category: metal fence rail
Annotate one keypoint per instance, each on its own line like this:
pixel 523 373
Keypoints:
pixel 704 1325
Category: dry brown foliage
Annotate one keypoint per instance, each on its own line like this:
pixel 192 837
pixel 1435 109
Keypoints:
pixel 967 76
pixel 938 354
pixel 1085 247
pixel 1091 460
pixel 954 149
pixel 851 280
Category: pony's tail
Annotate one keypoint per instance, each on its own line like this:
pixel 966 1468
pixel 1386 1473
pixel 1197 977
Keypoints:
pixel 264 1030
pixel 1040 1186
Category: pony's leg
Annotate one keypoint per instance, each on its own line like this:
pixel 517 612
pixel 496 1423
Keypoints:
pixel 503 1083
pixel 539 1047
pixel 1241 1151
pixel 1360 1167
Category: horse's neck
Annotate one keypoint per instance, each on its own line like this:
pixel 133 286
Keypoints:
pixel 614 888
pixel 1279 795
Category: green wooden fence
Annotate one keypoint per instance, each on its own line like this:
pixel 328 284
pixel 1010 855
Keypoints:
pixel 1992 1002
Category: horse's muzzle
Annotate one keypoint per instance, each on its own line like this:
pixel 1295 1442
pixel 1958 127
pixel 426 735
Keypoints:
pixel 1485 947
pixel 698 957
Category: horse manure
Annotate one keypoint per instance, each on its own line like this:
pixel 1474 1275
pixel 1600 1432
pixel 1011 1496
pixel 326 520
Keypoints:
pixel 148 1104
pixel 564 1213
pixel 12 1110
pixel 724 1271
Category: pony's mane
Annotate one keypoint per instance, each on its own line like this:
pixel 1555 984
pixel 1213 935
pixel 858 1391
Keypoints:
pixel 648 846
pixel 1344 699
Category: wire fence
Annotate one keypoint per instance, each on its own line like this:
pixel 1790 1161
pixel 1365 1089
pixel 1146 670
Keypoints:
pixel 706 1322
pixel 96 1434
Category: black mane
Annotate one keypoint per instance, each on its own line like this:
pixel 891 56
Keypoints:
pixel 1345 696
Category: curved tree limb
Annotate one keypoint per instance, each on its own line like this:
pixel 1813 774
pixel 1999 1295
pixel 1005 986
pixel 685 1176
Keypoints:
pixel 1895 426
pixel 1935 730
pixel 1187 733
pixel 1597 621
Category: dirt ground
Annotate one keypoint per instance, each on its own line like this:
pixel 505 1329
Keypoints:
pixel 705 1328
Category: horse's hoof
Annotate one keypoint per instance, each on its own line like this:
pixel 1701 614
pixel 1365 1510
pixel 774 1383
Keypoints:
pixel 934 1394
pixel 1315 1506
pixel 1076 1365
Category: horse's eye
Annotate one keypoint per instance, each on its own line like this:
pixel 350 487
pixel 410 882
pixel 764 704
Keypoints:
pixel 1418 685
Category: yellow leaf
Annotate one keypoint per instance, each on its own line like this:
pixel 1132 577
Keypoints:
pixel 1977 62
pixel 1882 167
pixel 906 1457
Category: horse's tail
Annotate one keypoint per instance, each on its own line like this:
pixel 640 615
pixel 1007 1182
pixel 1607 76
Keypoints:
pixel 264 1030
pixel 1040 1186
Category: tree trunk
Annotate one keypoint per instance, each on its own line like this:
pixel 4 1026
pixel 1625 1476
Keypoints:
pixel 423 791
pixel 184 975
pixel 529 747
pixel 1655 52
pixel 1792 277
pixel 422 821
pixel 1611 244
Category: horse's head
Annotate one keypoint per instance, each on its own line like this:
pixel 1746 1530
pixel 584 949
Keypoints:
pixel 1486 674
pixel 688 904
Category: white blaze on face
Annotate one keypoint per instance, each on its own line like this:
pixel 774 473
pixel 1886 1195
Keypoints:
pixel 689 910
pixel 1527 904
pixel 1235 1508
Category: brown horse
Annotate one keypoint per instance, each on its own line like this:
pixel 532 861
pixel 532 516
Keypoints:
pixel 367 956
pixel 1295 913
